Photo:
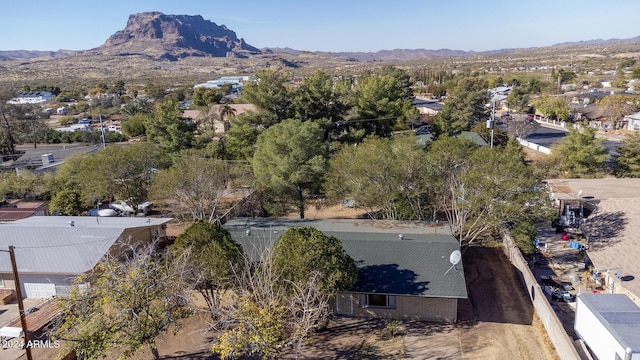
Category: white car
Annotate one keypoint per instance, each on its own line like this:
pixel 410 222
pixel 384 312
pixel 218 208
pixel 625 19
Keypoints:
pixel 102 212
pixel 123 207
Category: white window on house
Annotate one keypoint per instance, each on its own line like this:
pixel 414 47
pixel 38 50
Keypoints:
pixel 378 301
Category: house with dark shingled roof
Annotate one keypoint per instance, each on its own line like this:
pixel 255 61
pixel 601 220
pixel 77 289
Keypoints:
pixel 404 268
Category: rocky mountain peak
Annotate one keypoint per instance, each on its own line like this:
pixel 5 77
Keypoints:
pixel 174 36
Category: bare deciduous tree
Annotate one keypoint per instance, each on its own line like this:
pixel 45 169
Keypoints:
pixel 269 314
pixel 130 301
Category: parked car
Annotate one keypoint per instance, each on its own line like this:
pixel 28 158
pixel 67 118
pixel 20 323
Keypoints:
pixel 505 117
pixel 84 121
pixel 102 212
pixel 124 208
pixel 423 130
pixel 562 295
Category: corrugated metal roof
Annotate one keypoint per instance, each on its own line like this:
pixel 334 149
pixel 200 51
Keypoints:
pixel 49 245
pixel 12 214
pixel 415 265
pixel 33 157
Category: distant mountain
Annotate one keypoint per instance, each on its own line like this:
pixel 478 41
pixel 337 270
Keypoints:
pixel 155 35
pixel 31 54
pixel 419 54
pixel 172 37
pixel 599 42
pixel 404 54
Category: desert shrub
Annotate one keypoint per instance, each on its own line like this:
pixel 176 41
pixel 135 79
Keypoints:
pixel 392 327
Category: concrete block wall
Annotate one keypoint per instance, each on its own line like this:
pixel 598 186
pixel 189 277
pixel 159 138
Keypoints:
pixel 561 340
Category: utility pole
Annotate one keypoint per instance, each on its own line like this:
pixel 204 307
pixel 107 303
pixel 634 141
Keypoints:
pixel 104 140
pixel 491 122
pixel 23 317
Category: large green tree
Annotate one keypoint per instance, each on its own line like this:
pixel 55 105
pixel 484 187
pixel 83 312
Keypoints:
pixel 464 107
pixel 552 107
pixel 628 159
pixel 240 141
pixel 123 172
pixel 381 103
pixel 317 98
pixel 213 258
pixel 167 128
pixel 581 154
pixel 483 189
pixel 203 96
pixel 270 95
pixel 390 175
pixel 301 251
pixel 291 160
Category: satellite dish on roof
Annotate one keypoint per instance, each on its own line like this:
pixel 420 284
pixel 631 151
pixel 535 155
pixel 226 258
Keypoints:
pixel 455 257
pixel 619 274
pixel 580 193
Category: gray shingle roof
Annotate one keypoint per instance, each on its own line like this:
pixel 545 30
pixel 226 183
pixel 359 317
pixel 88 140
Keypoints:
pixel 49 245
pixel 415 265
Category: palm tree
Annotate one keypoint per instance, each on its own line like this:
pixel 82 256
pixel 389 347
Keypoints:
pixel 226 110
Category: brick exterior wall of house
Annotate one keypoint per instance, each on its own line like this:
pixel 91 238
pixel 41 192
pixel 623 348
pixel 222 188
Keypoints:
pixel 406 307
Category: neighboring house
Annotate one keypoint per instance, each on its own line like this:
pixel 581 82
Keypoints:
pixel 427 107
pixel 633 121
pixel 51 251
pixel 236 82
pixel 611 210
pixel 222 125
pixel 498 96
pixel 47 160
pixel 23 209
pixel 195 116
pixel 32 97
pixel 403 267
pixel 598 116
pixel 423 140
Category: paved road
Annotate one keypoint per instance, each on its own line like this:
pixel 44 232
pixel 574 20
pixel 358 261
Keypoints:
pixel 548 135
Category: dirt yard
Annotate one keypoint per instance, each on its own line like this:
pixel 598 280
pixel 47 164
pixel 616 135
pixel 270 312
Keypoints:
pixel 498 320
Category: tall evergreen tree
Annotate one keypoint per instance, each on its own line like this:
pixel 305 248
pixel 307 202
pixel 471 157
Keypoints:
pixel 628 160
pixel 581 154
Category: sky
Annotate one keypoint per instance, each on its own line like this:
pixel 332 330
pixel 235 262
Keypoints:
pixel 333 25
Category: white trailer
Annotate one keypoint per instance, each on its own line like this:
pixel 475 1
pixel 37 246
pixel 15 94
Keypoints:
pixel 610 325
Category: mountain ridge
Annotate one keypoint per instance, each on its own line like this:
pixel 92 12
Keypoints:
pixel 172 37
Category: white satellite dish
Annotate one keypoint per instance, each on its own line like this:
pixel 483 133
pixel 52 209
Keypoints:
pixel 580 193
pixel 454 259
pixel 619 274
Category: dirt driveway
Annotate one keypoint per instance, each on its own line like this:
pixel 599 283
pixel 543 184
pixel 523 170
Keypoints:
pixel 498 320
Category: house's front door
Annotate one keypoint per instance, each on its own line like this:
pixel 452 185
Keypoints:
pixel 344 304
